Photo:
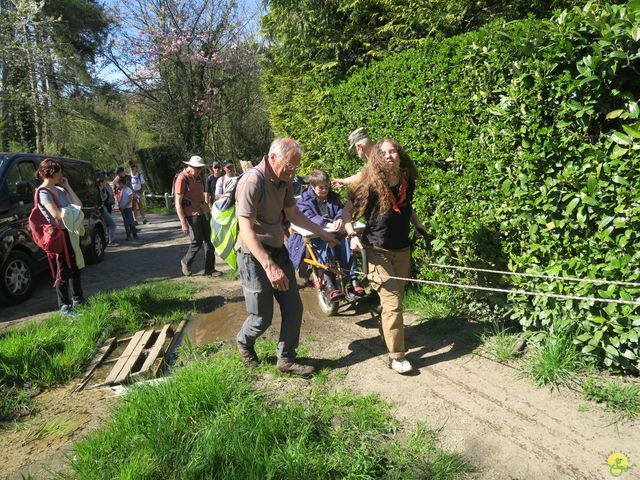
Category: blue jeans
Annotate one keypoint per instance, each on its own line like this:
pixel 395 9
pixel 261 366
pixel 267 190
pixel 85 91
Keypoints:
pixel 341 253
pixel 258 296
pixel 111 225
pixel 129 225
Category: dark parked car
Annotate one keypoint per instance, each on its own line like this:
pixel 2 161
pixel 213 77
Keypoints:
pixel 20 258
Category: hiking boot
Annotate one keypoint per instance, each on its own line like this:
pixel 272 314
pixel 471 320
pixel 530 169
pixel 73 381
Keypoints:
pixel 185 269
pixel 68 311
pixel 248 355
pixel 400 365
pixel 295 368
pixel 358 290
pixel 77 301
pixel 145 221
pixel 213 273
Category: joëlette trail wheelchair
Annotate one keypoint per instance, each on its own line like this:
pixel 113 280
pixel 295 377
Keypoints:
pixel 313 271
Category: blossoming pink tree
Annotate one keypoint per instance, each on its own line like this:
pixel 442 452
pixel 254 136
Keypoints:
pixel 184 60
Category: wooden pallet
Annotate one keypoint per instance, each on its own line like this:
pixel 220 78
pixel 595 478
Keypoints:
pixel 139 357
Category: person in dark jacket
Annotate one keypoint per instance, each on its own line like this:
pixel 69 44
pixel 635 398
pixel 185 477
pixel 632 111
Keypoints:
pixel 323 207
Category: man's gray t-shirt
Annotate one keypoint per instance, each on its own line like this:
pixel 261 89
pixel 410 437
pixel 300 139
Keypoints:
pixel 47 197
pixel 264 207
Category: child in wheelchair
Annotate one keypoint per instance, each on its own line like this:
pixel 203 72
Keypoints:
pixel 323 207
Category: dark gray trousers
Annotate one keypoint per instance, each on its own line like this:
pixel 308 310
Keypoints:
pixel 200 235
pixel 259 295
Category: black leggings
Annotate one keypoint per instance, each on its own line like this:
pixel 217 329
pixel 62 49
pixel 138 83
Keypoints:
pixel 69 277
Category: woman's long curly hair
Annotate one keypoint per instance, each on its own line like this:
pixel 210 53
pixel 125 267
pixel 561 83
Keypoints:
pixel 375 178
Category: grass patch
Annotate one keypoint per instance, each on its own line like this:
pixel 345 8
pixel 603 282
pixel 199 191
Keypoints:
pixel 56 350
pixel 499 342
pixel 211 421
pixel 556 361
pixel 432 303
pixel 623 400
pixel 231 275
pixel 159 210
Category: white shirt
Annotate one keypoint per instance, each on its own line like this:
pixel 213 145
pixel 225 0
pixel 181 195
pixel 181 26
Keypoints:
pixel 137 181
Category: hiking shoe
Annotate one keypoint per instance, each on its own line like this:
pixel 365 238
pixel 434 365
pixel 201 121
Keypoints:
pixel 185 269
pixel 68 311
pixel 213 273
pixel 135 236
pixel 358 290
pixel 400 365
pixel 136 222
pixel 145 221
pixel 295 368
pixel 248 356
pixel 113 244
pixel 335 295
pixel 77 301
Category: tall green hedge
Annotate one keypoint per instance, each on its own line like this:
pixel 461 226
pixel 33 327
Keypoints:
pixel 160 165
pixel 527 136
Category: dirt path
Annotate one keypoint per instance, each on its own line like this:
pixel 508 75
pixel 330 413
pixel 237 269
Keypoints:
pixel 508 428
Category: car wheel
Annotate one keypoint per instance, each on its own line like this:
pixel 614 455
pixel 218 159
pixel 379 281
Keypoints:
pixel 96 249
pixel 17 277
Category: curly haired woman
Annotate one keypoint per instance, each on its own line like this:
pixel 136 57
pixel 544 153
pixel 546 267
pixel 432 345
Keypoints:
pixel 383 195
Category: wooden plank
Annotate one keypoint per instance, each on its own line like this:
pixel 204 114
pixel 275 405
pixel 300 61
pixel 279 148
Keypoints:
pixel 102 353
pixel 134 356
pixel 155 350
pixel 122 361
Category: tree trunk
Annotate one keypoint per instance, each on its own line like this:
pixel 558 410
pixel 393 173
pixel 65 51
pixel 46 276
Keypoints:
pixel 33 80
pixel 4 103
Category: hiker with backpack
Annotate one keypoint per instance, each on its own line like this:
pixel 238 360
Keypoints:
pixel 229 173
pixel 138 185
pixel 125 203
pixel 265 268
pixel 56 202
pixel 210 184
pixel 192 209
pixel 107 200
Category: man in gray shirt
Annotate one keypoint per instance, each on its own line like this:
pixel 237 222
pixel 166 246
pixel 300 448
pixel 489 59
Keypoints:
pixel 263 260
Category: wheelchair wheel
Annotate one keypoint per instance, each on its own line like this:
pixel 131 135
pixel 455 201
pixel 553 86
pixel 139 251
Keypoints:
pixel 328 307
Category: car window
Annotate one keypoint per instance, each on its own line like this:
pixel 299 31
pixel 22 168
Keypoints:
pixel 28 175
pixel 20 179
pixel 82 180
pixel 13 179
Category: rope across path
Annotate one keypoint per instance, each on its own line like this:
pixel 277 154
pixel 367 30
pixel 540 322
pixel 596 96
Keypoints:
pixel 512 291
pixel 535 275
pixel 530 293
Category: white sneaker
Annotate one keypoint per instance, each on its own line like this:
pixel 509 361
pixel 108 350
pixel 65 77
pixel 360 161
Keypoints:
pixel 400 365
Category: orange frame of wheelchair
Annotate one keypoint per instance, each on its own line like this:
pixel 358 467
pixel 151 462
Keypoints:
pixel 312 259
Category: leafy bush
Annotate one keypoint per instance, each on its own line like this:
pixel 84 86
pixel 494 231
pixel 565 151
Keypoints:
pixel 160 165
pixel 526 135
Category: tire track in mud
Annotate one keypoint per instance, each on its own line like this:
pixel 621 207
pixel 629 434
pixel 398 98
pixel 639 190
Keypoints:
pixel 506 426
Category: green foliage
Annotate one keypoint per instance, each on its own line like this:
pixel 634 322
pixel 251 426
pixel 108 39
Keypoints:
pixel 210 421
pixel 556 361
pixel 499 342
pixel 56 350
pixel 313 45
pixel 618 398
pixel 160 164
pixel 526 135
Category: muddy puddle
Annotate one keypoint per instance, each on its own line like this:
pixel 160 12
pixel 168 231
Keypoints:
pixel 225 322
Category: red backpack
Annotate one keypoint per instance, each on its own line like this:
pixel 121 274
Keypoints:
pixel 49 238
